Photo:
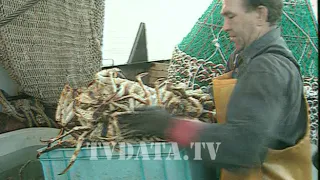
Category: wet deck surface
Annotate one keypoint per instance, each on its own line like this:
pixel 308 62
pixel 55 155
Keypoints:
pixel 32 171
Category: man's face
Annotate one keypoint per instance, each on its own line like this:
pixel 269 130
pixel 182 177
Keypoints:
pixel 240 24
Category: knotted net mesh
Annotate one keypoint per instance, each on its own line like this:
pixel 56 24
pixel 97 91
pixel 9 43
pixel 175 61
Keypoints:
pixel 205 50
pixel 51 44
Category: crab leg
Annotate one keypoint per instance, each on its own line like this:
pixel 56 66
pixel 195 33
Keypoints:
pixel 110 130
pixel 121 91
pixel 68 114
pixel 58 110
pixel 63 102
pixel 115 125
pixel 121 106
pixel 157 88
pixel 135 97
pixel 60 144
pixel 67 105
pixel 147 93
pixel 108 139
pixel 76 152
pixel 103 105
pixel 49 141
pixel 167 97
pixel 197 104
pixel 77 128
pixel 113 82
pixel 68 118
pixel 135 88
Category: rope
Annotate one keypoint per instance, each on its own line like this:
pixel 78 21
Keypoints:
pixel 23 167
pixel 17 13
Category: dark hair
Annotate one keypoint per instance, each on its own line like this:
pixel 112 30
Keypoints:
pixel 274 8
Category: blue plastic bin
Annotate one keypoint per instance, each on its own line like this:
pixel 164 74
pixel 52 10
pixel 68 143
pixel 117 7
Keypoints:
pixel 101 163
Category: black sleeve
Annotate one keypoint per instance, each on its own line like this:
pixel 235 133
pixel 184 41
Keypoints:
pixel 253 112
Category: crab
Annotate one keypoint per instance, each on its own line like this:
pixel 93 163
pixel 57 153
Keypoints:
pixel 95 108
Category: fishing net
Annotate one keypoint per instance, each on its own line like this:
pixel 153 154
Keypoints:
pixel 203 53
pixel 51 43
pixel 43 46
pixel 300 31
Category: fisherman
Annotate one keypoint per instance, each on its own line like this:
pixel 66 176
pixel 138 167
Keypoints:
pixel 261 108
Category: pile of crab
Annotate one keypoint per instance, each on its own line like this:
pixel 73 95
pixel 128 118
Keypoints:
pixel 89 114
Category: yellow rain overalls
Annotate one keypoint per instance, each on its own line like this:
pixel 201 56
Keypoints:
pixel 293 163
